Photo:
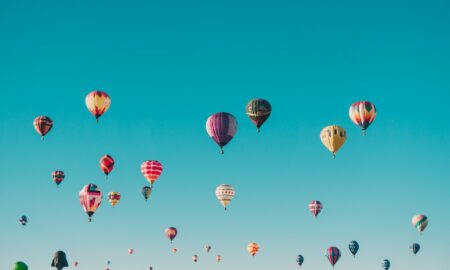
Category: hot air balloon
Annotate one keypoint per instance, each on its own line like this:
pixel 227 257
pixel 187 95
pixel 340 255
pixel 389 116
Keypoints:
pixel 315 207
pixel 362 113
pixel 221 127
pixel 114 198
pixel 108 263
pixel 207 248
pixel 90 199
pixel 333 254
pixel 333 137
pixel 354 247
pixel 20 266
pixel 258 110
pixel 146 192
pixel 23 220
pixel 225 193
pixel 386 264
pixel 58 177
pixel 59 260
pixel 130 251
pixel 151 169
pixel 195 258
pixel 75 264
pixel 171 233
pixel 43 124
pixel 253 248
pixel 415 248
pixel 420 222
pixel 174 250
pixel 106 164
pixel 218 258
pixel 98 103
pixel 300 260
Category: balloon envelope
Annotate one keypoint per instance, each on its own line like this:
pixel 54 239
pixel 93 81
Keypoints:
pixel 98 103
pixel 333 137
pixel 113 198
pixel 415 248
pixel 42 124
pixel 315 207
pixel 106 164
pixel 151 169
pixel 300 260
pixel 221 127
pixel 353 247
pixel 90 199
pixel 253 248
pixel 58 177
pixel 362 114
pixel 258 110
pixel 420 222
pixel 59 260
pixel 386 264
pixel 20 266
pixel 225 193
pixel 333 254
pixel 146 192
pixel 171 233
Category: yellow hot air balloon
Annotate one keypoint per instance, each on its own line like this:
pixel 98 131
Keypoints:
pixel 114 198
pixel 253 248
pixel 333 137
pixel 98 103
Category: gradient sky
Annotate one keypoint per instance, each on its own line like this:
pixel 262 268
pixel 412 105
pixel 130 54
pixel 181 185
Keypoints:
pixel 167 65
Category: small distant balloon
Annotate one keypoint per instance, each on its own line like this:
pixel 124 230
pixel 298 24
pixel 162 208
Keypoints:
pixel 415 248
pixel 253 248
pixel 98 103
pixel 315 207
pixel 75 264
pixel 42 124
pixel 90 199
pixel 333 137
pixel 114 198
pixel 20 266
pixel 174 250
pixel 225 193
pixel 151 169
pixel 362 114
pixel 258 110
pixel 386 264
pixel 221 127
pixel 23 220
pixel 333 254
pixel 59 260
pixel 207 248
pixel 171 233
pixel 106 164
pixel 353 247
pixel 300 260
pixel 195 258
pixel 146 191
pixel 130 251
pixel 218 258
pixel 58 177
pixel 420 222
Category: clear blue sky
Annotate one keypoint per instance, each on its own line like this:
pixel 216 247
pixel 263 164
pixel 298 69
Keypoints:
pixel 167 66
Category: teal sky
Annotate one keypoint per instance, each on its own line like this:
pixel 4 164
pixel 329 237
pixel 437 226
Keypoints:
pixel 168 65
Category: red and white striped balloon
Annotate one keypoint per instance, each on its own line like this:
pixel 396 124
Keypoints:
pixel 315 207
pixel 151 169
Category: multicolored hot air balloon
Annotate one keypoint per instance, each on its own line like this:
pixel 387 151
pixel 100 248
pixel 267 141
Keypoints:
pixel 258 110
pixel 420 222
pixel 113 198
pixel 98 103
pixel 218 258
pixel 386 264
pixel 207 248
pixel 195 258
pixel 221 127
pixel 20 266
pixel 333 254
pixel 253 248
pixel 362 113
pixel 300 260
pixel 354 247
pixel 171 233
pixel 415 248
pixel 23 220
pixel 174 250
pixel 42 124
pixel 333 137
pixel 106 164
pixel 90 199
pixel 315 207
pixel 58 177
pixel 130 251
pixel 151 169
pixel 225 193
pixel 59 260
pixel 146 192
pixel 75 264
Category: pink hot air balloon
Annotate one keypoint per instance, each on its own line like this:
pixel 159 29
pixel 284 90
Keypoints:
pixel 75 264
pixel 221 127
pixel 151 169
pixel 90 199
pixel 315 207
pixel 130 251
pixel 171 233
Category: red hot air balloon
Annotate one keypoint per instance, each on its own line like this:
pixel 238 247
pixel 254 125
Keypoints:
pixel 58 177
pixel 106 164
pixel 333 254
pixel 171 233
pixel 221 127
pixel 43 124
pixel 315 207
pixel 90 199
pixel 130 251
pixel 151 169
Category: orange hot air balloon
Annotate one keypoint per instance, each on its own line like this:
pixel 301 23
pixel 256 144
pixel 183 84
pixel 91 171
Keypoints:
pixel 174 250
pixel 253 248
pixel 218 258
pixel 98 103
pixel 42 124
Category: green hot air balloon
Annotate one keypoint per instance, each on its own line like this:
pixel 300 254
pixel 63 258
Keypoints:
pixel 20 266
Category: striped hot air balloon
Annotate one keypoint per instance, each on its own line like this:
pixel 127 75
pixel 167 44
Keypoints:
pixel 386 264
pixel 151 169
pixel 415 248
pixel 106 164
pixel 300 260
pixel 353 247
pixel 225 193
pixel 258 110
pixel 90 199
pixel 42 124
pixel 315 207
pixel 333 137
pixel 333 254
pixel 253 248
pixel 58 177
pixel 221 127
pixel 171 233
pixel 98 103
pixel 362 113
pixel 113 198
pixel 420 222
